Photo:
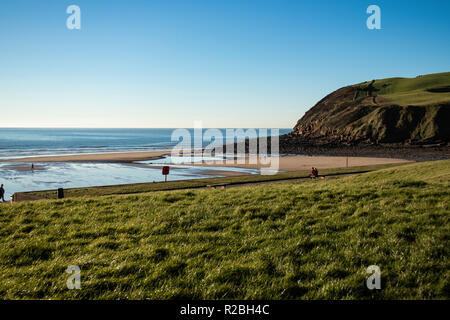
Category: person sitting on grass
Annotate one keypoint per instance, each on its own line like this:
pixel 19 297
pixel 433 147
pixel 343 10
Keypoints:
pixel 2 193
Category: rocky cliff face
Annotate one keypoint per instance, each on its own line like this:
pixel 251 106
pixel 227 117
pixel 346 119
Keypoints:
pixel 407 111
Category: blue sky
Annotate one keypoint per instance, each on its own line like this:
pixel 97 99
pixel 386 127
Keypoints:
pixel 246 63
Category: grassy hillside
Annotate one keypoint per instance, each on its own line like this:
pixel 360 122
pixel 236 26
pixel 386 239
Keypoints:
pixel 423 90
pixel 394 110
pixel 296 240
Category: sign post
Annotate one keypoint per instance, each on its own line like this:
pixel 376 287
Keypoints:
pixel 165 172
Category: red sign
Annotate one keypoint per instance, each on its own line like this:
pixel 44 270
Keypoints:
pixel 165 170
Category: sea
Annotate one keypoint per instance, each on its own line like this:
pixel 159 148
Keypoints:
pixel 33 142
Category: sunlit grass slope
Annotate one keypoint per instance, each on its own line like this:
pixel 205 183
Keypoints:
pixel 423 90
pixel 290 240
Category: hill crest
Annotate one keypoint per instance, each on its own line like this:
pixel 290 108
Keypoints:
pixel 393 110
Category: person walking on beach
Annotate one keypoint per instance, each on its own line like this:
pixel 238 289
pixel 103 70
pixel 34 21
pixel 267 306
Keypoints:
pixel 2 193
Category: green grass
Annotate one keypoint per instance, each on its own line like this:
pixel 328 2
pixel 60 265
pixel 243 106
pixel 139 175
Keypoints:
pixel 195 183
pixel 414 91
pixel 289 240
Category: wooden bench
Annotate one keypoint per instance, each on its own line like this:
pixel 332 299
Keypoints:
pixel 216 186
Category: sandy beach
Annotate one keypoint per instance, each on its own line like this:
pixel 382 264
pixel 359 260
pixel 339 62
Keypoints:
pixel 295 163
pixel 286 163
pixel 100 157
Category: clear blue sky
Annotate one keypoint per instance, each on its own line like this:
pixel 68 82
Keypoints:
pixel 246 63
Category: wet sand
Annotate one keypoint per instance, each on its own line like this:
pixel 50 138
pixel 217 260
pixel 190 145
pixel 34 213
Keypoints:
pixel 22 167
pixel 224 173
pixel 208 172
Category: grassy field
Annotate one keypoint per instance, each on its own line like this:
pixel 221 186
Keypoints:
pixel 289 240
pixel 195 183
